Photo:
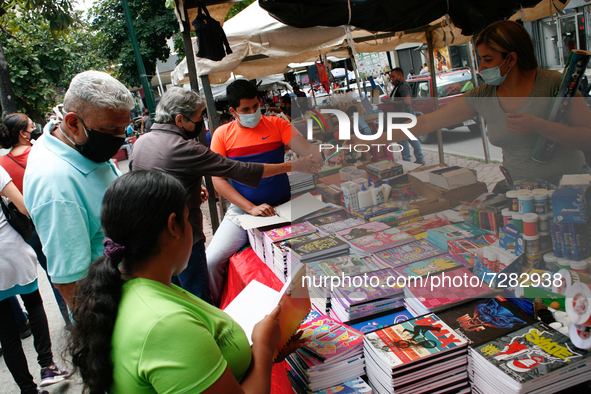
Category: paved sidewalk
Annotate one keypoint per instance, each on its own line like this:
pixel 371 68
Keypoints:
pixel 488 173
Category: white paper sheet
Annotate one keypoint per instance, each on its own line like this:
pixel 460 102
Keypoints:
pixel 288 212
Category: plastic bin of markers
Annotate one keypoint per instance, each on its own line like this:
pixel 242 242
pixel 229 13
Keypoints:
pixel 509 244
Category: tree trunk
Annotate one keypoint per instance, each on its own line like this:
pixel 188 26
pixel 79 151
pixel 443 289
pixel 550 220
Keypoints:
pixel 7 99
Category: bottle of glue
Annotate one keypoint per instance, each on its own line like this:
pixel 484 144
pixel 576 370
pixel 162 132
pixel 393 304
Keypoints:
pixel 364 197
pixel 387 190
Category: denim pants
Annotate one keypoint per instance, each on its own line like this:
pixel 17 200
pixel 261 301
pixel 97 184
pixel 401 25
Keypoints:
pixel 12 345
pixel 227 240
pixel 195 278
pixel 416 147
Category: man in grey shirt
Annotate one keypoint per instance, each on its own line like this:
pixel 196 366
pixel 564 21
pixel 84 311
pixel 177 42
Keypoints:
pixel 171 147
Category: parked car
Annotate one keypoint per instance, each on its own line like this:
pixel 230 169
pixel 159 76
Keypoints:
pixel 450 85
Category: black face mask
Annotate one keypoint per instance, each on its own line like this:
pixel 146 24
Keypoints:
pixel 99 147
pixel 196 130
pixel 36 133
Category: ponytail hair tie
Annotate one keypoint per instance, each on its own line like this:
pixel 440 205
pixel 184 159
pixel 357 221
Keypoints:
pixel 113 250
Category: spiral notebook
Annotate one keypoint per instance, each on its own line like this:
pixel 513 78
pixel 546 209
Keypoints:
pixel 258 300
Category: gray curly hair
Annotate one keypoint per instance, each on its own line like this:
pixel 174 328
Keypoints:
pixel 176 101
pixel 96 89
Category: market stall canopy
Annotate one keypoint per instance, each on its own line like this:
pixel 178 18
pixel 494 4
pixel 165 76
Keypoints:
pixel 471 16
pixel 269 44
pixel 263 46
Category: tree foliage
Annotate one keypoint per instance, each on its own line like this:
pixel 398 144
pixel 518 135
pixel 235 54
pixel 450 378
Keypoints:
pixel 238 7
pixel 57 13
pixel 41 61
pixel 154 24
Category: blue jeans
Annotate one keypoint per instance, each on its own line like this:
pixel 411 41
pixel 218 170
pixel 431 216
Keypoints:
pixel 195 278
pixel 416 146
pixel 227 240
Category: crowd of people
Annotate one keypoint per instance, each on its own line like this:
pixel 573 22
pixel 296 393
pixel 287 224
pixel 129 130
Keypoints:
pixel 67 175
pixel 126 253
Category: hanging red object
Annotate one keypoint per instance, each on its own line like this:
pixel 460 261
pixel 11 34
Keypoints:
pixel 323 76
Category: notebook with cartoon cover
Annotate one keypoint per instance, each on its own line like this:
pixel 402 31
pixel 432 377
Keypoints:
pixel 483 320
pixel 527 356
pixel 412 341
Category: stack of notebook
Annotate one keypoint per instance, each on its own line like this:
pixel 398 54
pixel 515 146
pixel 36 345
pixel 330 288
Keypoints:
pixel 316 249
pixel 271 237
pixel 332 355
pixel 324 273
pixel 420 355
pixel 443 290
pixel 366 294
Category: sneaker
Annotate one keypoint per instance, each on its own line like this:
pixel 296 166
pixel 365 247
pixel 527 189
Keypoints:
pixel 419 162
pixel 511 351
pixel 525 364
pixel 25 330
pixel 43 392
pixel 53 374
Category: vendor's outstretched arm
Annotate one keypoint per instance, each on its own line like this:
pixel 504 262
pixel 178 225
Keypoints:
pixel 453 113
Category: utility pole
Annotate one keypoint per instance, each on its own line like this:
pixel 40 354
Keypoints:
pixel 138 59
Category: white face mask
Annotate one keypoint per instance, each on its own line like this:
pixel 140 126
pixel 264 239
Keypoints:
pixel 250 120
pixel 492 76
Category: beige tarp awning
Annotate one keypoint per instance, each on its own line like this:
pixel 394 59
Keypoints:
pixel 262 45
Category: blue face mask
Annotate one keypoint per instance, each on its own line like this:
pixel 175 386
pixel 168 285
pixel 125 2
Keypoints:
pixel 492 76
pixel 250 120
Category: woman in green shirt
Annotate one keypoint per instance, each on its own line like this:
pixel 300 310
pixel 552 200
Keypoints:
pixel 138 333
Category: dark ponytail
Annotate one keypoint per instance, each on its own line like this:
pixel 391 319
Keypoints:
pixel 12 125
pixel 135 211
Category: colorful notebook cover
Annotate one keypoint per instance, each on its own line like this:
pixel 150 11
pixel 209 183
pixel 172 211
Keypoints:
pixel 432 265
pixel 346 265
pixel 409 253
pixel 440 235
pixel 413 340
pixel 422 226
pixel 332 228
pixel 328 338
pixel 362 230
pixel 330 218
pixel 483 320
pixel 291 231
pixel 379 284
pixel 376 210
pixel 531 352
pixel 283 246
pixel 376 323
pixel 295 306
pixel 446 288
pixel 318 246
pixel 381 240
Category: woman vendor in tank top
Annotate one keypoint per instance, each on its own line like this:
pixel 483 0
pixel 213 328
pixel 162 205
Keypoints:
pixel 515 103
